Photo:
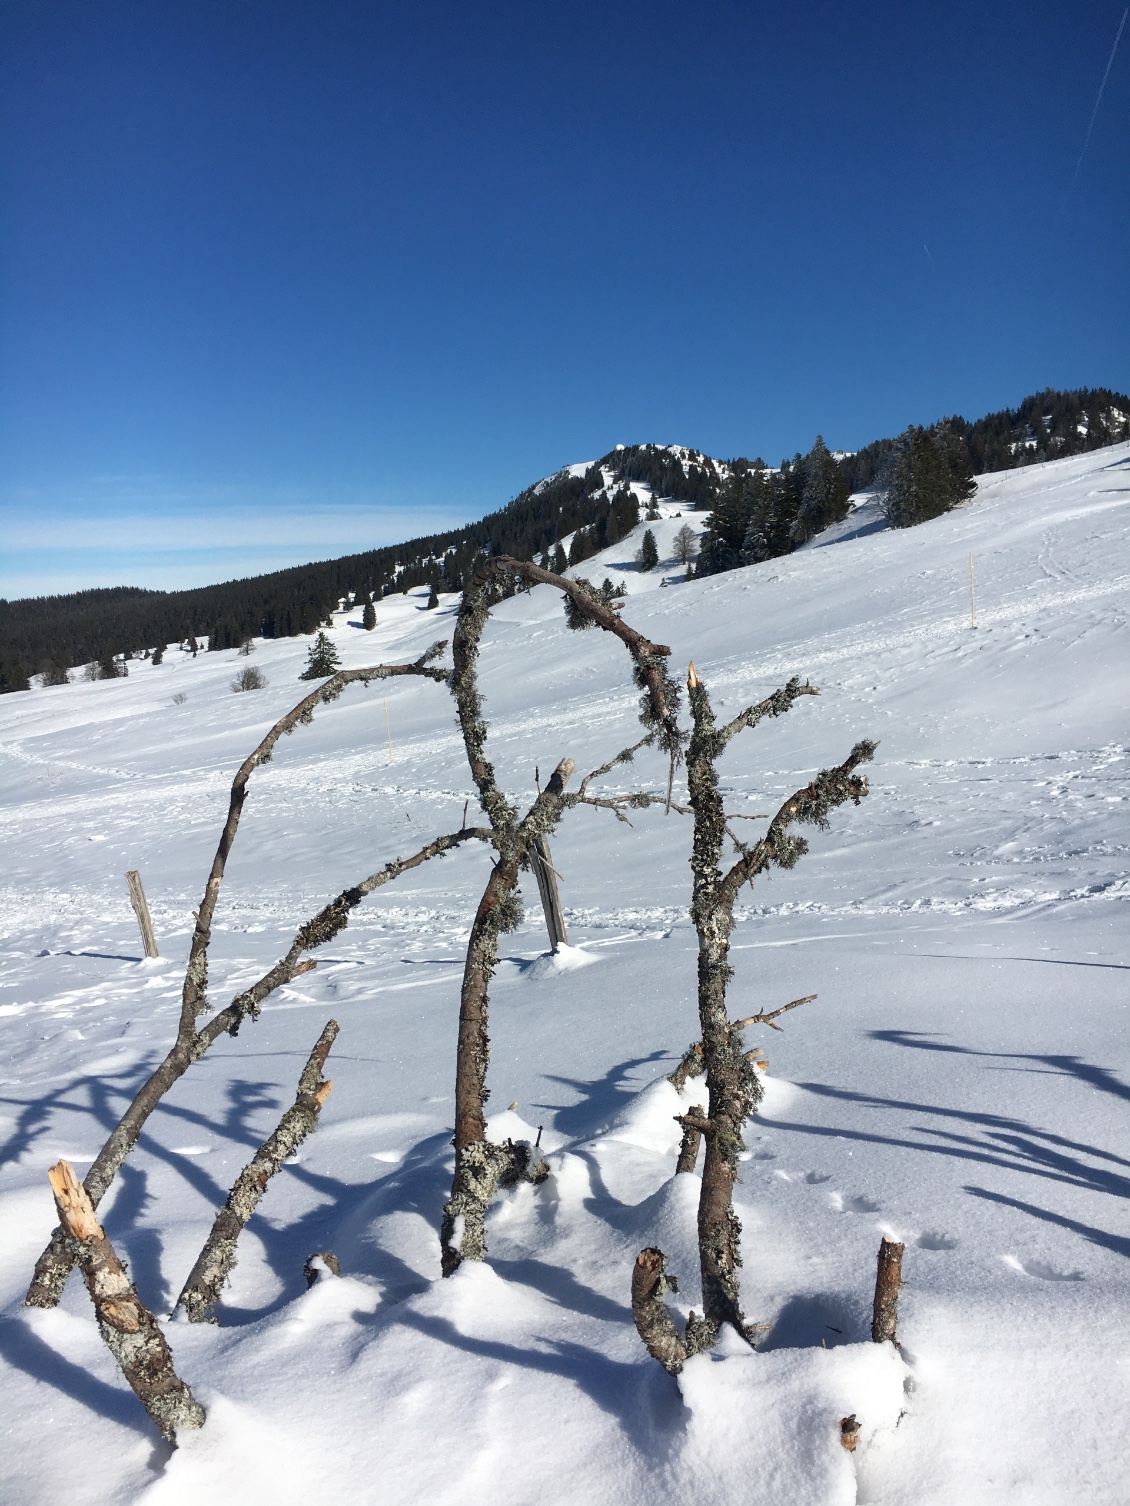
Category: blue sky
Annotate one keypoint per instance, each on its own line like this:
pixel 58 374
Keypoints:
pixel 283 280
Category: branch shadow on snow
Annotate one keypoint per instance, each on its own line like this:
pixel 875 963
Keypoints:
pixel 24 1350
pixel 1067 1066
pixel 600 1099
pixel 1117 1243
pixel 633 1395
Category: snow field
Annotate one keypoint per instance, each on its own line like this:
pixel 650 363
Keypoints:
pixel 962 1081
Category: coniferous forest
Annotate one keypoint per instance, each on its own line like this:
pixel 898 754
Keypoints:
pixel 755 513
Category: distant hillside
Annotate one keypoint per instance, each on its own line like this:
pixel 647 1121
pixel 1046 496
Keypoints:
pixel 593 505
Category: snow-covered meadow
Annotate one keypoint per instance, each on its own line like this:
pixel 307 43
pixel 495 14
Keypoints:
pixel 962 1081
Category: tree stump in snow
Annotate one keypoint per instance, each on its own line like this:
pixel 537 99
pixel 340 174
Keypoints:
pixel 888 1279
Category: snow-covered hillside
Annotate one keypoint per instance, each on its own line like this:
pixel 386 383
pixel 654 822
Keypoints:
pixel 962 1081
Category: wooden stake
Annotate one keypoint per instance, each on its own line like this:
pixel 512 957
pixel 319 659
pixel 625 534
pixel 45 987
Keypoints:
pixel 129 1329
pixel 888 1279
pixel 388 729
pixel 542 863
pixel 972 596
pixel 141 910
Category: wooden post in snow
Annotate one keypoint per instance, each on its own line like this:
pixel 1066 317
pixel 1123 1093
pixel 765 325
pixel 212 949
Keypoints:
pixel 141 910
pixel 542 864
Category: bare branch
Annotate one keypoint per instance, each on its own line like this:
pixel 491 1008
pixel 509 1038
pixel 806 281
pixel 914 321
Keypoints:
pixel 202 1289
pixel 624 756
pixel 194 996
pixel 780 701
pixel 810 805
pixel 316 932
pixel 128 1328
pixel 767 1019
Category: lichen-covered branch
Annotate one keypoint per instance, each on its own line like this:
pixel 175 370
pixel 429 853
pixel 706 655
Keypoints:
pixel 660 701
pixel 731 1080
pixel 321 928
pixel 653 1320
pixel 215 1261
pixel 481 1167
pixel 128 1328
pixel 56 1262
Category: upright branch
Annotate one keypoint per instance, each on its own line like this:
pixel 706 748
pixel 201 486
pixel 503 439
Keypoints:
pixel 215 1261
pixel 480 1166
pixel 731 1081
pixel 56 1261
pixel 128 1328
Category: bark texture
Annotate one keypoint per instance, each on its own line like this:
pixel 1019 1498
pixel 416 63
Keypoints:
pixel 128 1328
pixel 57 1260
pixel 205 1283
pixel 888 1279
pixel 732 1085
pixel 654 1324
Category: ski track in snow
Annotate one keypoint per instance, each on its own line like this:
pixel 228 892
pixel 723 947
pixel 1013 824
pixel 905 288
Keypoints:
pixel 962 1081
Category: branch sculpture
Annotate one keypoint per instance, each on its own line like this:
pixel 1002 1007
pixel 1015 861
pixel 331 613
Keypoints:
pixel 205 1283
pixel 731 1081
pixel 57 1260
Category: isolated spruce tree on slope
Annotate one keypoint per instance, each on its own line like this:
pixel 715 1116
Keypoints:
pixel 322 659
pixel 649 551
pixel 560 561
pixel 369 615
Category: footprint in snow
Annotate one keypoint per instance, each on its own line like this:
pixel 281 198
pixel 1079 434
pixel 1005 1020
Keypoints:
pixel 933 1240
pixel 852 1204
pixel 1041 1270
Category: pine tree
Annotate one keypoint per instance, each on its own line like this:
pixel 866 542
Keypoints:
pixel 433 599
pixel 926 475
pixel 649 551
pixel 824 500
pixel 322 659
pixel 369 616
pixel 560 561
pixel 158 654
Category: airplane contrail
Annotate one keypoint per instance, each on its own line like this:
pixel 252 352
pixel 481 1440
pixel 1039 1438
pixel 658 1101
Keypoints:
pixel 1099 99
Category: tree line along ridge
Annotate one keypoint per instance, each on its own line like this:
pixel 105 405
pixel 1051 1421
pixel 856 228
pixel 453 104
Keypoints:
pixel 755 512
